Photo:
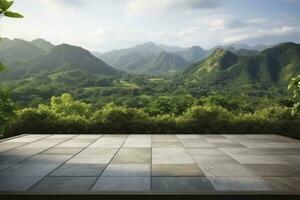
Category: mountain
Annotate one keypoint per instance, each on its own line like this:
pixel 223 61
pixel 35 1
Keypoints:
pixel 16 50
pixel 145 58
pixel 61 58
pixel 165 63
pixel 171 49
pixel 43 44
pixel 223 68
pixel 193 54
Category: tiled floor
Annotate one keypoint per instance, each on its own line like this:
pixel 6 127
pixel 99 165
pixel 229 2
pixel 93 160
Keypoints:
pixel 149 163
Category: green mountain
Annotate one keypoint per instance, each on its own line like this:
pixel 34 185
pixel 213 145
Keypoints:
pixel 165 63
pixel 223 68
pixel 62 58
pixel 43 44
pixel 16 50
pixel 193 54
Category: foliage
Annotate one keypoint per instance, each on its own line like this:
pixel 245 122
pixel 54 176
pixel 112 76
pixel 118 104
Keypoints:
pixel 65 115
pixel 6 110
pixel 4 9
pixel 294 86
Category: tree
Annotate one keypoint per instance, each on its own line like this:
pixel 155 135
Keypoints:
pixel 6 105
pixel 294 86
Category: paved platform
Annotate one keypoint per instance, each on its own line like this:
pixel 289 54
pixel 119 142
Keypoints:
pixel 149 163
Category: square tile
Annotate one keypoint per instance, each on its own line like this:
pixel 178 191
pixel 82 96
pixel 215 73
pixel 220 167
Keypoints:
pixel 29 170
pixel 204 151
pixel 225 170
pixel 64 184
pixel 273 170
pixel 132 170
pixel 122 184
pixel 171 156
pixel 214 159
pixel 133 155
pixel 61 151
pixel 181 184
pixel 284 184
pixel 239 184
pixel 17 183
pixel 78 169
pixel 169 170
pixel 258 159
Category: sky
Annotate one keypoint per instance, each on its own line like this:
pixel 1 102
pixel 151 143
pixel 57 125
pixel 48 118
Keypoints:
pixel 104 25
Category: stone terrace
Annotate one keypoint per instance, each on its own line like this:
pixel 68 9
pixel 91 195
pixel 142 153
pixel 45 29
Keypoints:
pixel 149 163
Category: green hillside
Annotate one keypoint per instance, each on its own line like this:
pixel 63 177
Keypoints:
pixel 225 69
pixel 43 44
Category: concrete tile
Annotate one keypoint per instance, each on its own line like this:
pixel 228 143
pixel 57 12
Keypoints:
pixel 225 170
pixel 122 184
pixel 89 136
pixel 6 146
pixel 239 184
pixel 188 136
pixel 166 145
pixel 196 143
pixel 133 155
pixel 17 183
pixel 137 143
pixel 169 170
pixel 87 170
pixel 164 136
pixel 71 144
pixel 61 136
pixel 228 145
pixel 171 156
pixel 219 140
pixel 132 170
pixel 99 151
pixel 62 151
pixel 29 170
pixel 241 151
pixel 204 151
pixel 29 138
pixel 91 159
pixel 181 184
pixel 64 184
pixel 9 159
pixel 214 159
pixel 288 159
pixel 109 142
pixel 273 170
pixel 165 140
pixel 284 184
pixel 47 159
pixel 258 159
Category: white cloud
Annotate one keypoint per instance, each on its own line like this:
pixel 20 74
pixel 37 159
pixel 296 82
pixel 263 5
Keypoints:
pixel 148 6
pixel 58 4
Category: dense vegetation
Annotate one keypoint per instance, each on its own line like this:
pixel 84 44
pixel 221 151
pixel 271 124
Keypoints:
pixel 184 114
pixel 66 89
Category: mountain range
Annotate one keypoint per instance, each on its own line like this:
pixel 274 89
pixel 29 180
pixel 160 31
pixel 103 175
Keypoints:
pixel 232 66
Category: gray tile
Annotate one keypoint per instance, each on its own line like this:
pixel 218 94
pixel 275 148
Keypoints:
pixel 122 184
pixel 169 170
pixel 228 145
pixel 64 184
pixel 204 151
pixel 171 156
pixel 165 140
pixel 242 151
pixel 225 170
pixel 133 155
pixel 181 184
pixel 273 170
pixel 47 159
pixel 284 184
pixel 17 183
pixel 62 151
pixel 196 143
pixel 258 159
pixel 239 184
pixel 166 145
pixel 133 170
pixel 214 159
pixel 6 146
pixel 79 170
pixel 29 170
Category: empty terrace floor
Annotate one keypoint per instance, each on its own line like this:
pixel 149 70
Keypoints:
pixel 149 163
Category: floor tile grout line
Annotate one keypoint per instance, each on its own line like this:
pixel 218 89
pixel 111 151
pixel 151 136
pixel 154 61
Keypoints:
pixel 11 138
pixel 98 177
pixel 63 162
pixel 26 143
pixel 31 155
pixel 204 175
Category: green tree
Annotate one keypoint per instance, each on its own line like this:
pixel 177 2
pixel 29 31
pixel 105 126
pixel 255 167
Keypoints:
pixel 6 105
pixel 294 86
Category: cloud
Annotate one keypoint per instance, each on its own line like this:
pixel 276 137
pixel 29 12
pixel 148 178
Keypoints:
pixel 146 6
pixel 70 4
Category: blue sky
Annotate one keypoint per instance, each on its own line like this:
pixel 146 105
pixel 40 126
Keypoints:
pixel 103 25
